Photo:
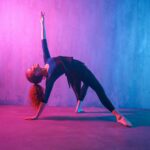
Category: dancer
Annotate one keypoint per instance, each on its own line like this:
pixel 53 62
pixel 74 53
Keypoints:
pixel 78 75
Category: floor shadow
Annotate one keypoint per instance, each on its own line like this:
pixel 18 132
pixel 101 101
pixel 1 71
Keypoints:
pixel 79 118
pixel 106 112
pixel 137 119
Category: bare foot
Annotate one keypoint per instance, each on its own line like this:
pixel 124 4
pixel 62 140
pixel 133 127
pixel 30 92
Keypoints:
pixel 79 110
pixel 124 121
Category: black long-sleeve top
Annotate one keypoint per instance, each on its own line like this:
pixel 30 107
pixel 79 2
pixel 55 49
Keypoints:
pixel 57 67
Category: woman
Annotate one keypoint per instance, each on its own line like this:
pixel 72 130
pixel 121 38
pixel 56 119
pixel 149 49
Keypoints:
pixel 76 72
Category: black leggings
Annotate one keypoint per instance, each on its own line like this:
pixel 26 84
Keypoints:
pixel 89 80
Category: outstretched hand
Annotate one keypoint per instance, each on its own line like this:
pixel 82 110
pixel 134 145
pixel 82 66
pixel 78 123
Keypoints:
pixel 42 17
pixel 31 118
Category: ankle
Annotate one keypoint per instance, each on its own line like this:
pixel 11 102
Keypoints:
pixel 116 114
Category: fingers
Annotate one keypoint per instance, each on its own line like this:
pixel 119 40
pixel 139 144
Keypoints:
pixel 42 14
pixel 30 118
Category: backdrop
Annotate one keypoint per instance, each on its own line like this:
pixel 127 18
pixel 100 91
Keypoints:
pixel 112 37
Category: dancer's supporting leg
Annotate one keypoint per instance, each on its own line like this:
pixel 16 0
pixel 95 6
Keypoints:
pixel 80 93
pixel 80 98
pixel 96 86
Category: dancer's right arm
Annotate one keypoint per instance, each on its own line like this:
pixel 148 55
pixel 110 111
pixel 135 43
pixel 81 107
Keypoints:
pixel 39 111
pixel 43 30
pixel 46 53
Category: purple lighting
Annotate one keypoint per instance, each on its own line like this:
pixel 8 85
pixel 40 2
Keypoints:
pixel 109 37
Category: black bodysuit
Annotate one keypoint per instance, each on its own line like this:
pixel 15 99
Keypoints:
pixel 76 72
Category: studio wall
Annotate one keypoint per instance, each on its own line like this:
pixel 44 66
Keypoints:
pixel 110 36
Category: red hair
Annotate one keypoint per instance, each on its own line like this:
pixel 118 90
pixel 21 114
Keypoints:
pixel 36 95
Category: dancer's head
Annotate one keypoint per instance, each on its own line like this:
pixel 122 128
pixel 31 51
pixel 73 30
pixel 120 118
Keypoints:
pixel 35 74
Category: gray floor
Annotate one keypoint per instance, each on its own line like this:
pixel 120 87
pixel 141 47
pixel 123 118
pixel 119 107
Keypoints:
pixel 60 128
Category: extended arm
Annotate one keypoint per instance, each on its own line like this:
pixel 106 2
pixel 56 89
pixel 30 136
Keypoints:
pixel 49 86
pixel 39 111
pixel 46 53
pixel 43 30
